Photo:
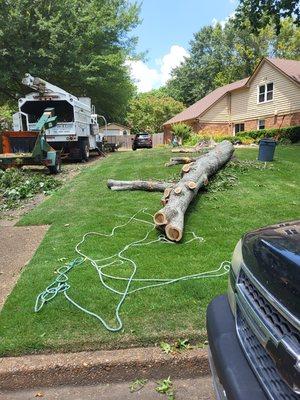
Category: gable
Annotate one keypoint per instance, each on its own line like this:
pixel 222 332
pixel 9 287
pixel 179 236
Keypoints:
pixel 286 97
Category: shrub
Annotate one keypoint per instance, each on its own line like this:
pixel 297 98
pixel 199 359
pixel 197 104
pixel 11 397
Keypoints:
pixel 192 140
pixel 182 131
pixel 220 138
pixel 291 133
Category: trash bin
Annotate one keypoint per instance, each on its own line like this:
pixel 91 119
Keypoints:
pixel 266 149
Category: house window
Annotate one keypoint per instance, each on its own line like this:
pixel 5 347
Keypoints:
pixel 265 92
pixel 261 124
pixel 239 128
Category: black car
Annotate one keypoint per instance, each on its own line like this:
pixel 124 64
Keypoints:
pixel 142 141
pixel 254 331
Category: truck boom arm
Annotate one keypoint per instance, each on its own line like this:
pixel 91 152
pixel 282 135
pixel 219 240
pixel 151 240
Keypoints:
pixel 41 86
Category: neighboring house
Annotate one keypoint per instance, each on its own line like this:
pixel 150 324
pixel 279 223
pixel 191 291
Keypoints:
pixel 269 98
pixel 115 130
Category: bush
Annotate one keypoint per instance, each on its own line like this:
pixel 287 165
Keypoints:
pixel 220 138
pixel 291 133
pixel 182 131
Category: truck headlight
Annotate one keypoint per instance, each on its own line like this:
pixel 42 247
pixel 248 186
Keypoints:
pixel 236 263
pixel 237 258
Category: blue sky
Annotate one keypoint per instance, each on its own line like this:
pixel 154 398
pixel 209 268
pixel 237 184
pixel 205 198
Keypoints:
pixel 166 29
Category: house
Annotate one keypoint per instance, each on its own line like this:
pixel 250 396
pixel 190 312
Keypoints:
pixel 269 98
pixel 114 129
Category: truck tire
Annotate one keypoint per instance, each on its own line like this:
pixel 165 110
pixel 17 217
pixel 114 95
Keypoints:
pixel 56 169
pixel 84 150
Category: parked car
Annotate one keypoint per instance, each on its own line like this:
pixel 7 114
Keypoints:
pixel 254 331
pixel 142 141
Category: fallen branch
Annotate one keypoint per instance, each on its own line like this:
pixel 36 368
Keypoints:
pixel 195 176
pixel 180 160
pixel 150 186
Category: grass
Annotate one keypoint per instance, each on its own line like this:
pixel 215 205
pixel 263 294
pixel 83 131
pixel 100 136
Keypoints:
pixel 85 204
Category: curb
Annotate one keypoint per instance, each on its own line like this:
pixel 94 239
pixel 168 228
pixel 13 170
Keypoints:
pixel 88 368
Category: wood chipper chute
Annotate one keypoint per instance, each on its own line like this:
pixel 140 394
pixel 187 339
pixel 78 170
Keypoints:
pixel 20 148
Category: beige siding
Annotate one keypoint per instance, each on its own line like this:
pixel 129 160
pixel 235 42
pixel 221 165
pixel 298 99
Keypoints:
pixel 286 97
pixel 217 113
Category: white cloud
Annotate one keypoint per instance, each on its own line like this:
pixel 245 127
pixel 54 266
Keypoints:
pixel 147 78
pixel 172 60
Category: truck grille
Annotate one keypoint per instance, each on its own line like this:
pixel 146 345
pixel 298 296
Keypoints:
pixel 262 363
pixel 278 325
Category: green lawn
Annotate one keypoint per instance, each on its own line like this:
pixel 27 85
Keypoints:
pixel 85 204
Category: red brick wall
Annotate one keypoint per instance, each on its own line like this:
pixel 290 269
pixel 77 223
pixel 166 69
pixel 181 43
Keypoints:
pixel 202 129
pixel 214 129
pixel 276 121
pixel 279 121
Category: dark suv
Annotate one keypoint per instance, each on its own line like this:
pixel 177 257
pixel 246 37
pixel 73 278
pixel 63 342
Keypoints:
pixel 142 141
pixel 254 331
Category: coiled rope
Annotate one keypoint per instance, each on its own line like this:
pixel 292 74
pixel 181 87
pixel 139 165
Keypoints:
pixel 61 285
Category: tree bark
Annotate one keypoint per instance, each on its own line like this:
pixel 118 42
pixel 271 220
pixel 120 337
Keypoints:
pixel 150 186
pixel 180 160
pixel 195 176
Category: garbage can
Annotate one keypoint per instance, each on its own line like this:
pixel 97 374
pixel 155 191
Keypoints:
pixel 266 149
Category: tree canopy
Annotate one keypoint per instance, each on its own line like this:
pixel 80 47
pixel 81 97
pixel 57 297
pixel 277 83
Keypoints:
pixel 148 111
pixel 262 12
pixel 78 45
pixel 221 55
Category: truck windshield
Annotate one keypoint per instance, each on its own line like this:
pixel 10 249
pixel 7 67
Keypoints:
pixel 35 109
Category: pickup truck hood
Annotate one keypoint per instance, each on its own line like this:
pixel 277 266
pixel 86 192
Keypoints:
pixel 272 254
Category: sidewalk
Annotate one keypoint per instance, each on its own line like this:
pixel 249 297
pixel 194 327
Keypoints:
pixel 185 389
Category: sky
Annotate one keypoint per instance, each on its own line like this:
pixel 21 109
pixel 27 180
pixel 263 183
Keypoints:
pixel 165 32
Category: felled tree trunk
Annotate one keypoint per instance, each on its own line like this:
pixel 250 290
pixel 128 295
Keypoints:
pixel 180 160
pixel 194 176
pixel 150 186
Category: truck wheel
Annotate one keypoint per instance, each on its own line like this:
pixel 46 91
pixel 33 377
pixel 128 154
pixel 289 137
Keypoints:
pixel 85 150
pixel 56 169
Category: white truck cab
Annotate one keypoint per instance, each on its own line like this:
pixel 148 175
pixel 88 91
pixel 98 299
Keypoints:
pixel 77 126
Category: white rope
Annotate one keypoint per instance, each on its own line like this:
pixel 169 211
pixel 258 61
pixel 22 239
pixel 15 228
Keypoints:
pixel 117 260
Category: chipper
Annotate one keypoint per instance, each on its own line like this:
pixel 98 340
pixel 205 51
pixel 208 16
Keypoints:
pixel 30 147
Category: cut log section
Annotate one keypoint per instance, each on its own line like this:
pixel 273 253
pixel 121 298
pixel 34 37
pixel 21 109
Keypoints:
pixel 150 186
pixel 186 168
pixel 171 216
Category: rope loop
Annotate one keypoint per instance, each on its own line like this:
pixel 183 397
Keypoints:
pixel 61 285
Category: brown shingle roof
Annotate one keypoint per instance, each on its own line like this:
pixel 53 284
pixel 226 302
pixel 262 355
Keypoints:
pixel 202 105
pixel 289 67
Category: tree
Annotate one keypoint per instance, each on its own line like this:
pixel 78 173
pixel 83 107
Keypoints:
pixel 219 56
pixel 262 12
pixel 78 45
pixel 148 111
